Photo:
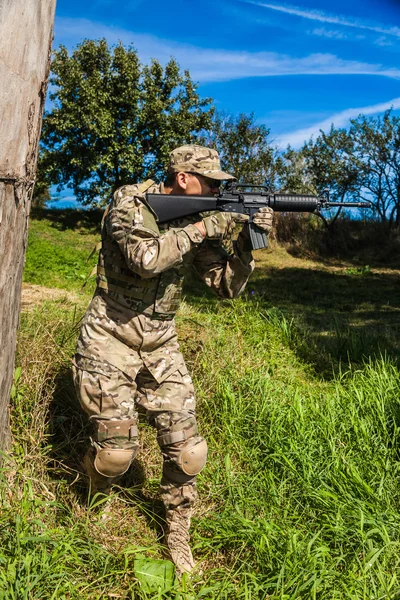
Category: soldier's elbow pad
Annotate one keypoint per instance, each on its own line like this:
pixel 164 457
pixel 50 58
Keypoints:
pixel 193 456
pixel 114 462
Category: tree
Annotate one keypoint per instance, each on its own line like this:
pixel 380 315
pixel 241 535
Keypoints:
pixel 325 163
pixel 330 166
pixel 361 163
pixel 24 66
pixel 376 155
pixel 115 121
pixel 295 176
pixel 245 148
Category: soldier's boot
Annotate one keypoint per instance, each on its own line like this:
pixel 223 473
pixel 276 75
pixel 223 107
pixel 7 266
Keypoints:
pixel 185 454
pixel 177 538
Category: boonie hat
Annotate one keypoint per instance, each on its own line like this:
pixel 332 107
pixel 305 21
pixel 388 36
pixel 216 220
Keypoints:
pixel 197 159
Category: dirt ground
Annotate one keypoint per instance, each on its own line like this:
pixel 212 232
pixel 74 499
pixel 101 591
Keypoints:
pixel 33 294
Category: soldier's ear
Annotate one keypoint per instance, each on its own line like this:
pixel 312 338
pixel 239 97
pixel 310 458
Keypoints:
pixel 182 179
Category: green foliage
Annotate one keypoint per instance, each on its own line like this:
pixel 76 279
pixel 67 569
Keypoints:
pixel 114 121
pixel 329 164
pixel 245 148
pixel 361 163
pixel 308 505
pixel 376 154
pixel 296 177
pixel 41 194
pixel 360 271
pixel 323 164
pixel 300 497
pixel 155 575
pixel 57 258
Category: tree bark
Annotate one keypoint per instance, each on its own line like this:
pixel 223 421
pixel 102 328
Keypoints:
pixel 26 30
pixel 397 221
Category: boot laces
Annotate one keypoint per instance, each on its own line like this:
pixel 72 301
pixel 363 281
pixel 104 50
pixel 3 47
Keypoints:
pixel 177 539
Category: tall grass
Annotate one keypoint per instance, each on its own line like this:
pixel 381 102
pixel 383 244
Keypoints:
pixel 300 496
pixel 299 499
pixel 308 471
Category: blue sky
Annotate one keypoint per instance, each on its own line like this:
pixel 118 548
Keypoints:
pixel 298 66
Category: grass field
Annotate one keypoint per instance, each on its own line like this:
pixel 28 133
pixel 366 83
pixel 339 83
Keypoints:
pixel 298 391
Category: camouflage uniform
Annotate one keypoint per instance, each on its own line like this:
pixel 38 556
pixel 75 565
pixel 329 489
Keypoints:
pixel 128 357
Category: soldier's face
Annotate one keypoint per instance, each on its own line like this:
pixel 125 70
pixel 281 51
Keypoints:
pixel 202 186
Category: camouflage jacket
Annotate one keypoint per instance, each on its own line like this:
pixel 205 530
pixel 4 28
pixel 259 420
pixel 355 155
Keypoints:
pixel 140 277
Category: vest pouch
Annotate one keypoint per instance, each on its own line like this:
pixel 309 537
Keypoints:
pixel 169 293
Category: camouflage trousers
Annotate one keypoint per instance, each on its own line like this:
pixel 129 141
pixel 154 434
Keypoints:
pixel 107 394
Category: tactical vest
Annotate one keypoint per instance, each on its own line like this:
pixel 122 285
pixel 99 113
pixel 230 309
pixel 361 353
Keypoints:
pixel 158 297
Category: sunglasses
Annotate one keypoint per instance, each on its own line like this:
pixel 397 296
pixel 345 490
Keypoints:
pixel 211 183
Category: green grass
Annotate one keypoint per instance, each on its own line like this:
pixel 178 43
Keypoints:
pixel 299 400
pixel 59 245
pixel 308 471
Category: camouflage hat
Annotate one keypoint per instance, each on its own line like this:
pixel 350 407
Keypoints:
pixel 197 159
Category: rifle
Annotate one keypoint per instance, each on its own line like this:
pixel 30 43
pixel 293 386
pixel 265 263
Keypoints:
pixel 245 199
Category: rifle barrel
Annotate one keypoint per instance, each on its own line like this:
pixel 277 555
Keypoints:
pixel 349 204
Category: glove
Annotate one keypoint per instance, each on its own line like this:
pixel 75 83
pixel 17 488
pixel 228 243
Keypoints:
pixel 221 225
pixel 263 219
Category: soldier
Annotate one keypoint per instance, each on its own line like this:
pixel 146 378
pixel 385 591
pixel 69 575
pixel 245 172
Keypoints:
pixel 128 357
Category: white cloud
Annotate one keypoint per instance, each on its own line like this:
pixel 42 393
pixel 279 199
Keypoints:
pixel 316 15
pixel 339 35
pixel 216 64
pixel 298 137
pixel 329 33
pixel 383 41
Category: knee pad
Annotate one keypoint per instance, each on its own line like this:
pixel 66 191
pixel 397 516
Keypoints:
pixel 181 446
pixel 113 462
pixel 186 458
pixel 116 445
pixel 193 456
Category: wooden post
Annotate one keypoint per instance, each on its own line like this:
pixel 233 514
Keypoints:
pixel 26 31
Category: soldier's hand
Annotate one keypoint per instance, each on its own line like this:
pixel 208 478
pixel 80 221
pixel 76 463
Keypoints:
pixel 263 218
pixel 221 225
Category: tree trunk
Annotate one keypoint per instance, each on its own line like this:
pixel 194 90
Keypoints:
pixel 26 28
pixel 397 221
